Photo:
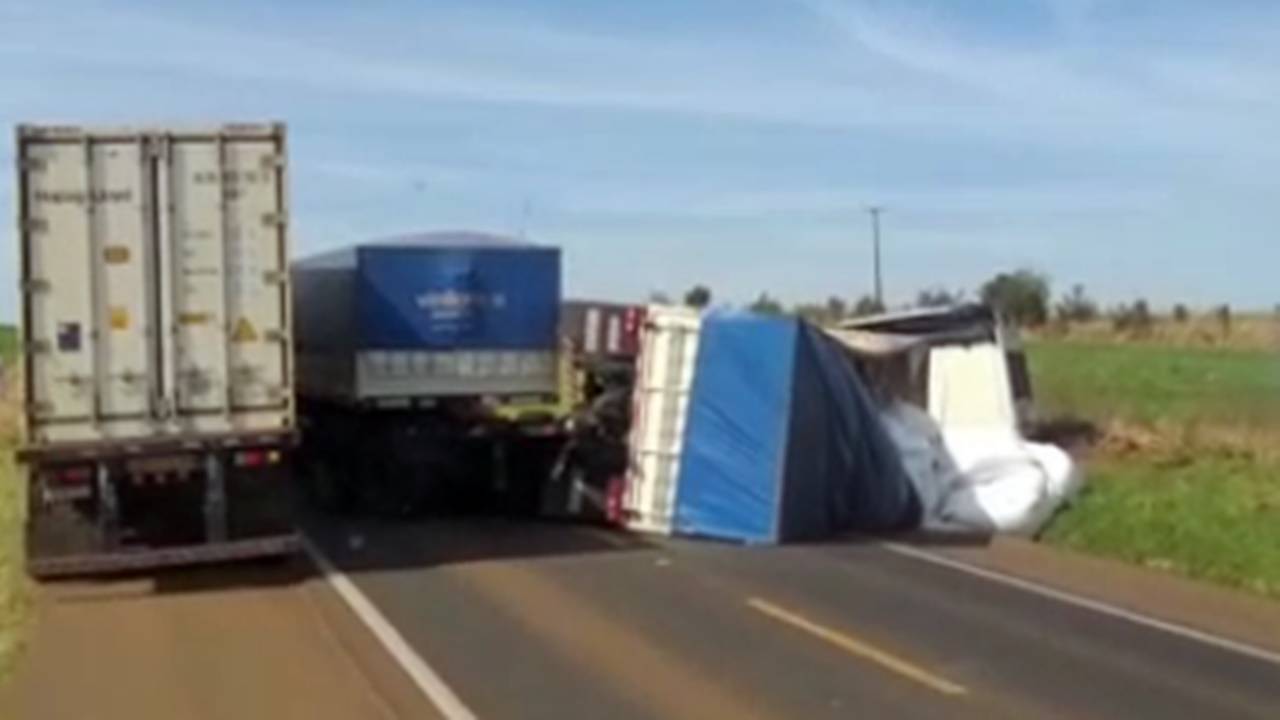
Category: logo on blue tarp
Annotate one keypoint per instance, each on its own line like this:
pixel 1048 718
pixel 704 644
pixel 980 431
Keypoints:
pixel 458 312
pixel 453 303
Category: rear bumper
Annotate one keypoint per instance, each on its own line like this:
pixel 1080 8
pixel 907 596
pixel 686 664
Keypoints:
pixel 132 560
pixel 166 445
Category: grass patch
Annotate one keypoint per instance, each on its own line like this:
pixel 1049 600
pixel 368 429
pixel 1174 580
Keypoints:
pixel 1187 477
pixel 1217 518
pixel 8 343
pixel 1156 385
pixel 14 587
pixel 14 599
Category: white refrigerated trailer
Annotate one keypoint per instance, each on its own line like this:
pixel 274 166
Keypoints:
pixel 156 345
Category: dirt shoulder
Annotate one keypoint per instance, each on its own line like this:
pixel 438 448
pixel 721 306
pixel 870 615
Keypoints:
pixel 230 642
pixel 1229 614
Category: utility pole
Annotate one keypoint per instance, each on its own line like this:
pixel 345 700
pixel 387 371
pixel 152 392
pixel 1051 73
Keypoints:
pixel 875 211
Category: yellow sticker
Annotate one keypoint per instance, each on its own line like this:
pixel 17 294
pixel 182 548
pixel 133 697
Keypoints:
pixel 244 331
pixel 119 318
pixel 116 254
pixel 193 318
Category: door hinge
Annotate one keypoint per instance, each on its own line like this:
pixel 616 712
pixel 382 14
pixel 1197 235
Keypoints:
pixel 35 226
pixel 275 277
pixel 272 161
pixel 275 336
pixel 33 164
pixel 35 285
pixel 273 219
pixel 38 347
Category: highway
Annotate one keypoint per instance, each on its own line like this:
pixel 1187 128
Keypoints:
pixel 545 621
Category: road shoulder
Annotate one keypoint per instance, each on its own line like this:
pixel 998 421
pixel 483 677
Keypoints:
pixel 1232 615
pixel 228 642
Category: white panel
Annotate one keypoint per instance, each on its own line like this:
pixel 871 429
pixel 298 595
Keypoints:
pixel 256 272
pixel 591 331
pixel 60 303
pixel 142 249
pixel 196 236
pixel 969 388
pixel 412 374
pixel 668 356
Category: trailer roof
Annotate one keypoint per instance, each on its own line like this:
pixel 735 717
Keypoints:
pixel 345 256
pixel 449 238
pixel 924 321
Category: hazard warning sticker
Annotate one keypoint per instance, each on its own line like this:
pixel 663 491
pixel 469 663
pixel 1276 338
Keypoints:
pixel 119 318
pixel 244 331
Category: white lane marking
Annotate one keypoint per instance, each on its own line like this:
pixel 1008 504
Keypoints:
pixel 418 670
pixel 1097 606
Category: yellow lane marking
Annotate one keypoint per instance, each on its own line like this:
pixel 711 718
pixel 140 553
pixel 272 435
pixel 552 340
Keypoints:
pixel 863 650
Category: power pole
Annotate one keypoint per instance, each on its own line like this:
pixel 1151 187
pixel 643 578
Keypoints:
pixel 875 211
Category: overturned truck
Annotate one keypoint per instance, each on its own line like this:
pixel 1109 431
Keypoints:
pixel 766 429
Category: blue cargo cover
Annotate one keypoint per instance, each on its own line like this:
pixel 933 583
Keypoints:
pixel 458 298
pixel 782 441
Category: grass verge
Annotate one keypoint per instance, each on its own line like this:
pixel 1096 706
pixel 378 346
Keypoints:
pixel 1215 517
pixel 14 597
pixel 1187 476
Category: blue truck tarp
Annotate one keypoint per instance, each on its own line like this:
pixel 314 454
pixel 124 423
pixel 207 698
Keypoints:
pixel 437 291
pixel 782 441
pixel 442 314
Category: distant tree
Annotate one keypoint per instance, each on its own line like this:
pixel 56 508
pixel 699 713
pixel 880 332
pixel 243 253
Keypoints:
pixel 659 297
pixel 1077 306
pixel 938 297
pixel 1022 296
pixel 813 312
pixel 1134 319
pixel 766 305
pixel 837 309
pixel 1223 314
pixel 867 305
pixel 699 296
pixel 1180 313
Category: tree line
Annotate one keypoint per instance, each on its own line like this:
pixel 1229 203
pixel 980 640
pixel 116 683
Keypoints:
pixel 1023 296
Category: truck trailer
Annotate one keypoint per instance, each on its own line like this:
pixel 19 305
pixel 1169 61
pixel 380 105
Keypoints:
pixel 407 348
pixel 156 345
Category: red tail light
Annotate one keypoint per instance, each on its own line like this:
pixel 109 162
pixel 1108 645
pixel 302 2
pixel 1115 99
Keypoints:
pixel 613 499
pixel 74 475
pixel 631 321
pixel 256 458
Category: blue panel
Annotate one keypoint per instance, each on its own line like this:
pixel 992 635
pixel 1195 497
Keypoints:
pixel 737 424
pixel 458 298
pixel 842 471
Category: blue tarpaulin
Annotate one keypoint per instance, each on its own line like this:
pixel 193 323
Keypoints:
pixel 782 441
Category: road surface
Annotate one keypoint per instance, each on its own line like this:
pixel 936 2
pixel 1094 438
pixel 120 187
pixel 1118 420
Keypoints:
pixel 489 619
pixel 528 621
pixel 258 640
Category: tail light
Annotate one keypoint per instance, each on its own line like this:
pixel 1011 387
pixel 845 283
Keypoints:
pixel 631 320
pixel 256 458
pixel 613 499
pixel 74 475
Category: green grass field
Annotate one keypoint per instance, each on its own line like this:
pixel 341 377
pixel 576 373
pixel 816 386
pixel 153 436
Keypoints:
pixel 1204 504
pixel 8 343
pixel 14 598
pixel 1157 385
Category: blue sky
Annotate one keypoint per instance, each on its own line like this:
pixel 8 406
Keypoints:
pixel 1129 145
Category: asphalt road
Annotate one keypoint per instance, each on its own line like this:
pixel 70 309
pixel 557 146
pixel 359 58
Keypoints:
pixel 538 621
